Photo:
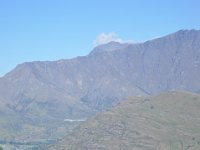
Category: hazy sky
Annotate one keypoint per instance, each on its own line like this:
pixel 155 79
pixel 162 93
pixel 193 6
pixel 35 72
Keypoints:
pixel 54 29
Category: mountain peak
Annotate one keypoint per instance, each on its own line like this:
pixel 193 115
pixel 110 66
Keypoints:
pixel 76 88
pixel 109 47
pixel 187 30
pixel 183 32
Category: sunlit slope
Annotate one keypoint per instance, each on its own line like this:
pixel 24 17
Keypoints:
pixel 169 121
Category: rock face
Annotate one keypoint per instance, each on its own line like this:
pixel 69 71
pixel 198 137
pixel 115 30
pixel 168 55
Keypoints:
pixel 168 121
pixel 42 94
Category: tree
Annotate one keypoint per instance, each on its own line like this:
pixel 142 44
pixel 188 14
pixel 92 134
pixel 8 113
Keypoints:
pixel 1 148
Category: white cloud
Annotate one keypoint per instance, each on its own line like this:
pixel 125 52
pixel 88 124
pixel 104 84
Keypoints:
pixel 104 38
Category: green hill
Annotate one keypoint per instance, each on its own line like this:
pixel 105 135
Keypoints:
pixel 169 121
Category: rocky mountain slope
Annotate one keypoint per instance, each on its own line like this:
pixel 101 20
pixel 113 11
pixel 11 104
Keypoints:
pixel 40 95
pixel 168 121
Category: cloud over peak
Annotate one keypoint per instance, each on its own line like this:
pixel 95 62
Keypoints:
pixel 104 38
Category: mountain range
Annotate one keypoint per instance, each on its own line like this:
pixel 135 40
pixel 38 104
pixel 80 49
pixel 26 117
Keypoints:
pixel 36 97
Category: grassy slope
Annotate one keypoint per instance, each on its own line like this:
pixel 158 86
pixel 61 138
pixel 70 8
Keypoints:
pixel 168 121
pixel 36 125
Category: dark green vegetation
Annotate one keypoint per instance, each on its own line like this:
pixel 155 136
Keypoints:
pixel 168 121
pixel 12 145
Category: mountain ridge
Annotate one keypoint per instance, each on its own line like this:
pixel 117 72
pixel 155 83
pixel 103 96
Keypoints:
pixel 79 87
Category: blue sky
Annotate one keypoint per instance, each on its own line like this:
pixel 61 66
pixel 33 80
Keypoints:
pixel 32 30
